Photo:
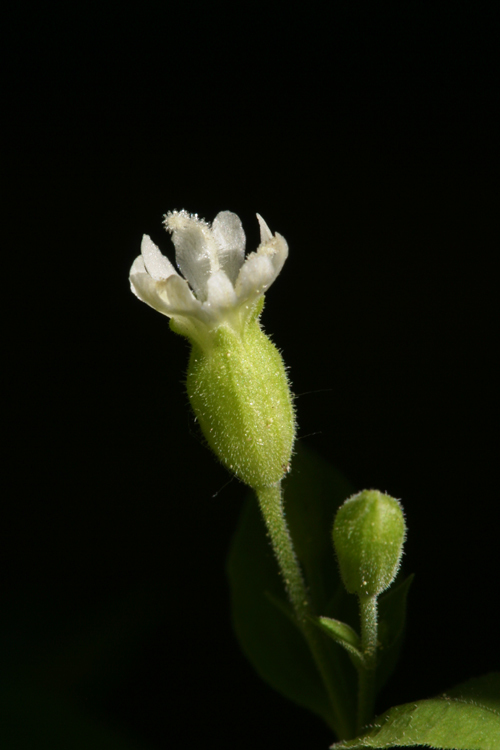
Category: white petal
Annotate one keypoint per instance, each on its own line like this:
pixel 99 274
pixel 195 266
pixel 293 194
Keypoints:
pixel 145 288
pixel 179 298
pixel 157 265
pixel 278 250
pixel 137 267
pixel 195 249
pixel 228 233
pixel 265 232
pixel 170 296
pixel 261 268
pixel 255 277
pixel 221 294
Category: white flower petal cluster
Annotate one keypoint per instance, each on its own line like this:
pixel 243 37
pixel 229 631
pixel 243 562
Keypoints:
pixel 219 285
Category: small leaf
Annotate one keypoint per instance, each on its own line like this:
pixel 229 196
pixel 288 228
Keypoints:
pixel 465 718
pixel 341 631
pixel 345 636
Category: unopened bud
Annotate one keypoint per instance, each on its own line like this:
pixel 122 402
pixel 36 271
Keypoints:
pixel 368 535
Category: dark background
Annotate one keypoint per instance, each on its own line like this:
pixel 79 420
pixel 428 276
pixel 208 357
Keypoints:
pixel 367 137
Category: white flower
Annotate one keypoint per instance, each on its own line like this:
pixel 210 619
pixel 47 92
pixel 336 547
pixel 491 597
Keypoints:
pixel 220 285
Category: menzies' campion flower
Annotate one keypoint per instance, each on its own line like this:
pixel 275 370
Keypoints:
pixel 236 379
pixel 220 285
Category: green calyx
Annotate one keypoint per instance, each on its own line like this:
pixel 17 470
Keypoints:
pixel 368 535
pixel 238 388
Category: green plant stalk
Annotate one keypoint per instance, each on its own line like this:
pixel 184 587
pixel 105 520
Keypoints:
pixel 271 504
pixel 366 674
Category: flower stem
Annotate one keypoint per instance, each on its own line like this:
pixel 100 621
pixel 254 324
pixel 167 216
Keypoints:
pixel 271 504
pixel 369 631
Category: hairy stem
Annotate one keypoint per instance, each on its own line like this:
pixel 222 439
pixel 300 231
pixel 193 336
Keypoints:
pixel 369 634
pixel 271 504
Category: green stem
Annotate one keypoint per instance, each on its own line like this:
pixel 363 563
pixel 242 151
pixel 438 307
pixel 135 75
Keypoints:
pixel 367 674
pixel 271 504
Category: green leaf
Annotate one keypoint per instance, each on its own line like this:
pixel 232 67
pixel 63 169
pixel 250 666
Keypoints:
pixel 465 718
pixel 392 617
pixel 345 636
pixel 267 635
pixel 341 631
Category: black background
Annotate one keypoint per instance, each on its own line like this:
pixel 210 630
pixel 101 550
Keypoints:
pixel 367 137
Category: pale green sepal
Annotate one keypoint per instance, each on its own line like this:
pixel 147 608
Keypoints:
pixel 238 388
pixel 345 636
pixel 465 718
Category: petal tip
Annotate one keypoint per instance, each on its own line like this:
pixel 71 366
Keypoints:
pixel 179 220
pixel 265 232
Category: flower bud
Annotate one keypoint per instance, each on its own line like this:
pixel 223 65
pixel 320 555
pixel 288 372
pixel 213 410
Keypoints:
pixel 239 391
pixel 368 535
